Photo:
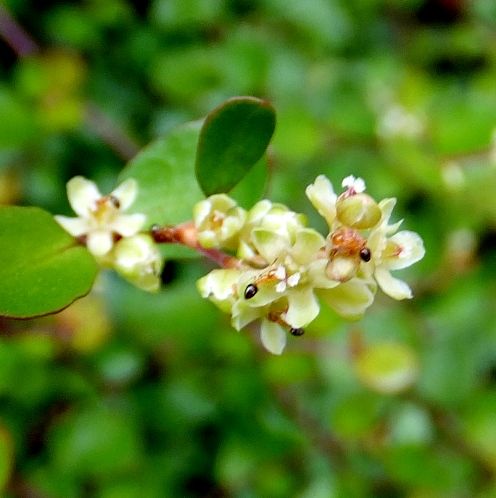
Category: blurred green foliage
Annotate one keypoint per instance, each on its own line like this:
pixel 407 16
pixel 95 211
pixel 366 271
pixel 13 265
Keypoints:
pixel 127 395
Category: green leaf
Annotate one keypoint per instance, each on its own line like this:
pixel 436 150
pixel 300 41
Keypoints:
pixel 165 172
pixel 233 138
pixel 94 441
pixel 43 269
pixel 253 186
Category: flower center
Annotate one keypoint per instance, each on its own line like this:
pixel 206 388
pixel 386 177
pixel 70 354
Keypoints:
pixel 216 219
pixel 346 242
pixel 105 209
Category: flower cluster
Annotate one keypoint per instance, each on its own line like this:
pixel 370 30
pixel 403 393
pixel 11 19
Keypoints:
pixel 112 236
pixel 280 269
pixel 285 268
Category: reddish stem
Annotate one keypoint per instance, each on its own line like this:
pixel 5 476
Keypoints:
pixel 186 235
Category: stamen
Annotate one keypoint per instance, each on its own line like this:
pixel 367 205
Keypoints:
pixel 354 185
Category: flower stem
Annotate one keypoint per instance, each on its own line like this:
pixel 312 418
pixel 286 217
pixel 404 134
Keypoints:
pixel 186 235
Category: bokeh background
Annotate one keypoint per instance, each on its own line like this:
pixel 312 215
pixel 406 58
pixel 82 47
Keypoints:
pixel 128 395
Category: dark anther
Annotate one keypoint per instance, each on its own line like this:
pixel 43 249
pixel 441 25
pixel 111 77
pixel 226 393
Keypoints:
pixel 365 254
pixel 296 332
pixel 250 291
pixel 115 201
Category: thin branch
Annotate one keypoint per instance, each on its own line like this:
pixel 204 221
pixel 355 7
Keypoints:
pixel 115 137
pixel 186 234
pixel 16 37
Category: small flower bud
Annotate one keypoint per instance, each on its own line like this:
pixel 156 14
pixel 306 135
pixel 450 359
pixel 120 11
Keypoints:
pixel 218 220
pixel 139 261
pixel 358 211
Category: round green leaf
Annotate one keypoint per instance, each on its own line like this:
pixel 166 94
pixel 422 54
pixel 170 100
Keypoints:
pixel 233 138
pixel 253 186
pixel 43 268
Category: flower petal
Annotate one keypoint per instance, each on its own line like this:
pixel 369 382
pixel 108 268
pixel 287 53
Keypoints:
pixel 219 283
pixel 307 245
pixel 269 244
pixel 219 286
pixel 316 273
pixel 350 299
pixel 126 193
pixel 393 287
pixel 208 239
pixel 139 261
pixel 303 307
pixel 75 226
pixel 412 250
pixel 387 206
pixel 267 293
pixel 128 224
pixel 201 211
pixel 242 314
pixel 232 224
pixel 322 196
pixel 82 194
pixel 258 211
pixel 273 336
pixel 282 221
pixel 100 242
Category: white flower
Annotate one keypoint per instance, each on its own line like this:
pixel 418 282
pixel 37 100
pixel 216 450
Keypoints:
pixel 100 217
pixel 393 250
pixel 273 217
pixel 218 220
pixel 138 260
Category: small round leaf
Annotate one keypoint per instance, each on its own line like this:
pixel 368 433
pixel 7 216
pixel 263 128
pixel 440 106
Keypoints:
pixel 43 268
pixel 233 138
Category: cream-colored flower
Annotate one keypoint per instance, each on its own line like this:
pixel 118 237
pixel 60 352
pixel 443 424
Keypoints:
pixel 218 220
pixel 273 217
pixel 393 250
pixel 101 217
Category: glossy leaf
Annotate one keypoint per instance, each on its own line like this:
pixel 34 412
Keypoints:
pixel 253 186
pixel 165 174
pixel 43 268
pixel 233 138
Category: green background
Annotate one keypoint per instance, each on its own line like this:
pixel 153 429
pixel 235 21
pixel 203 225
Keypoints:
pixel 127 395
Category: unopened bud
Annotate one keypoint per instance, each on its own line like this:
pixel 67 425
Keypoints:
pixel 139 261
pixel 358 211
